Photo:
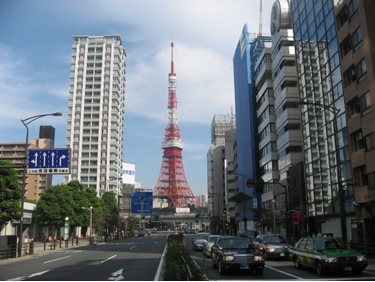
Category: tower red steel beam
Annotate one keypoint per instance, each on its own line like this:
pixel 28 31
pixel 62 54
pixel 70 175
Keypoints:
pixel 172 184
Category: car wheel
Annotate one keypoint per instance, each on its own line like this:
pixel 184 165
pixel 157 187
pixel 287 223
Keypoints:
pixel 221 269
pixel 318 268
pixel 296 262
pixel 357 272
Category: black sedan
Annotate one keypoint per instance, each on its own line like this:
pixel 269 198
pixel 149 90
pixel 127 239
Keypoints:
pixel 231 252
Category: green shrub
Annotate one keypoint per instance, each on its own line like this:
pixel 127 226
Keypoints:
pixel 174 265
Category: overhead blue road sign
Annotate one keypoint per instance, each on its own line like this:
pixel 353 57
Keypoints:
pixel 141 202
pixel 51 161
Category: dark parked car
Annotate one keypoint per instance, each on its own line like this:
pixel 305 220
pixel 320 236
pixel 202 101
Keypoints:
pixel 326 254
pixel 272 246
pixel 238 253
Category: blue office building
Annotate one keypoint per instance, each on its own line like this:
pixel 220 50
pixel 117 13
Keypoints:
pixel 244 60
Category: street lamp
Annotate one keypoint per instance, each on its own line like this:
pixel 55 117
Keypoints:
pixel 90 210
pixel 25 122
pixel 273 215
pixel 335 113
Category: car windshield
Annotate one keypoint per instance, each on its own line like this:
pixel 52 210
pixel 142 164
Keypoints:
pixel 329 244
pixel 274 240
pixel 212 239
pixel 201 236
pixel 235 243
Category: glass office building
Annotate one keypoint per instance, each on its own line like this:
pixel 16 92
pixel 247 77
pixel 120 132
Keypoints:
pixel 329 197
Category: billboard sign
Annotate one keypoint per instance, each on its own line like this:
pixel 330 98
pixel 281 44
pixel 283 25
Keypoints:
pixel 141 202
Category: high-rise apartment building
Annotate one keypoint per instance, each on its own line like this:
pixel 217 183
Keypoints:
pixel 96 112
pixel 355 21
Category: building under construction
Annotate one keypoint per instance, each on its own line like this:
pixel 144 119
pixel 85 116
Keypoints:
pixel 219 125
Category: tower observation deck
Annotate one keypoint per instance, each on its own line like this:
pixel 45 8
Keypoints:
pixel 172 184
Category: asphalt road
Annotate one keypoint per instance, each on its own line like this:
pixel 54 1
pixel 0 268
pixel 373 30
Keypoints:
pixel 275 270
pixel 134 259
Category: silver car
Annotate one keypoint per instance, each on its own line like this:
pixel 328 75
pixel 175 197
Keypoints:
pixel 208 245
pixel 199 239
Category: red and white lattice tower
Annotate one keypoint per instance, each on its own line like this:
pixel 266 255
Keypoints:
pixel 172 184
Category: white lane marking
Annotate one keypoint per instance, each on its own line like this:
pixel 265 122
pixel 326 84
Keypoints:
pixel 132 247
pixel 286 273
pixel 38 273
pixel 117 275
pixel 108 259
pixel 56 259
pixel 18 278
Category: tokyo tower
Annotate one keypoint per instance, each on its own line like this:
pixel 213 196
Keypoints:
pixel 172 184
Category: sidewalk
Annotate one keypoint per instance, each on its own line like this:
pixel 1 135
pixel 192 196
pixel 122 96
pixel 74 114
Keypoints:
pixel 42 248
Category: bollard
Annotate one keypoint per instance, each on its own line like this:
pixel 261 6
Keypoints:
pixel 31 247
pixel 45 245
pixel 76 240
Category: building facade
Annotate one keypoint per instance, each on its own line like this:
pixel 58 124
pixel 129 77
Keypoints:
pixel 278 120
pixel 216 170
pixel 36 184
pixel 95 123
pixel 248 198
pixel 355 21
pixel 328 171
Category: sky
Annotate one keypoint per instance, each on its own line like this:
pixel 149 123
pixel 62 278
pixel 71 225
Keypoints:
pixel 35 56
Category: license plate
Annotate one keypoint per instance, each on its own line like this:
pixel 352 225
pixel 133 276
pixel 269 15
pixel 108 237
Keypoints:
pixel 282 255
pixel 347 268
pixel 244 266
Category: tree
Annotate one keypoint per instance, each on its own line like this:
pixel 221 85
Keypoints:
pixel 10 193
pixel 58 202
pixel 54 205
pixel 109 212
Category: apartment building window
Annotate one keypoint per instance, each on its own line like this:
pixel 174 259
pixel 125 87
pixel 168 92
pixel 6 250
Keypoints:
pixel 365 103
pixel 356 140
pixel 360 175
pixel 346 46
pixel 352 10
pixel 370 141
pixel 352 107
pixel 357 38
pixel 361 70
pixel 350 76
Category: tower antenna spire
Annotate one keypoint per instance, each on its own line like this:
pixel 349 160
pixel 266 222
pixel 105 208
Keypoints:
pixel 260 17
pixel 172 62
pixel 172 184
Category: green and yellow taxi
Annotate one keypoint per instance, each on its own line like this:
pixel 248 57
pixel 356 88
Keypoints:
pixel 326 254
